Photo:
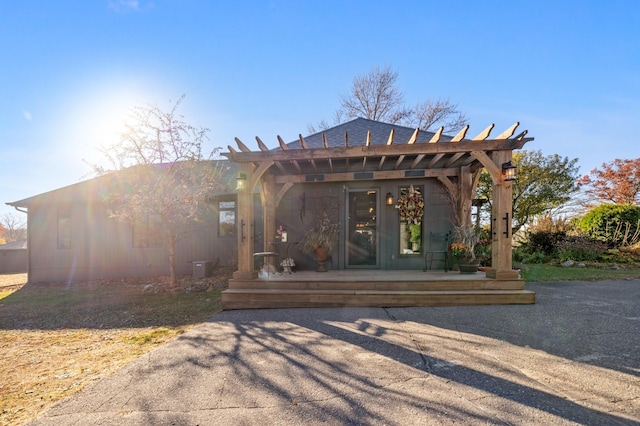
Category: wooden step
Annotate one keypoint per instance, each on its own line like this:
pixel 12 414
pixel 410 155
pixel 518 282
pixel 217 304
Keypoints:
pixel 235 298
pixel 386 285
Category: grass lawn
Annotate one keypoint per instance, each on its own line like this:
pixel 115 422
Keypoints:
pixel 546 272
pixel 56 339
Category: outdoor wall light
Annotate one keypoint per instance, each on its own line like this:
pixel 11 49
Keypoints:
pixel 241 182
pixel 508 171
pixel 389 199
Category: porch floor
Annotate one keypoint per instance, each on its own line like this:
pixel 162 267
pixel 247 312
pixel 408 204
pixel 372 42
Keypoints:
pixel 366 287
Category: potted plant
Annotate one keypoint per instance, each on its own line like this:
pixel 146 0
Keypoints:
pixel 463 249
pixel 415 230
pixel 321 239
pixel 287 265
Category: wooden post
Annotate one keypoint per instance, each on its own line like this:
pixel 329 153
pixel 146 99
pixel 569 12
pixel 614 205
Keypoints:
pixel 501 218
pixel 268 199
pixel 245 225
pixel 465 188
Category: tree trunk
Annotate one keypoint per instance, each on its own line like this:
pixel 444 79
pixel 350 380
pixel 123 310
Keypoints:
pixel 172 261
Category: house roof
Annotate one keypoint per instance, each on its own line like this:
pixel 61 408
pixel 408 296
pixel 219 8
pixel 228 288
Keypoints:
pixel 367 149
pixel 357 131
pixel 93 189
pixel 15 245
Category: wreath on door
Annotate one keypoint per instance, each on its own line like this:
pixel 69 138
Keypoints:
pixel 411 206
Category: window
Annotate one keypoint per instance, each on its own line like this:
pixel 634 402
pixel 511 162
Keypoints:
pixel 227 219
pixel 64 228
pixel 147 231
pixel 412 211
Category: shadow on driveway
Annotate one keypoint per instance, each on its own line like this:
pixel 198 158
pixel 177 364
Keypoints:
pixel 565 360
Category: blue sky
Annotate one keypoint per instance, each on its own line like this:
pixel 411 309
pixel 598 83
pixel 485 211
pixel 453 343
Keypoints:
pixel 569 71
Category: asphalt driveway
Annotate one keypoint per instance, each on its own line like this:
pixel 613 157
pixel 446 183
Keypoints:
pixel 572 358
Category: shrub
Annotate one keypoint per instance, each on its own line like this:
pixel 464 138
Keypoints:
pixel 614 224
pixel 520 254
pixel 544 242
pixel 580 248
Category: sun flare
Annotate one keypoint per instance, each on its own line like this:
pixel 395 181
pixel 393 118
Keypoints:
pixel 99 121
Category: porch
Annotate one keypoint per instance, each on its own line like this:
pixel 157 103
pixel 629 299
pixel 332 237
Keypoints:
pixel 377 288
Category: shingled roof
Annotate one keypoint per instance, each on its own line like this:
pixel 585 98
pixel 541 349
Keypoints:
pixel 356 132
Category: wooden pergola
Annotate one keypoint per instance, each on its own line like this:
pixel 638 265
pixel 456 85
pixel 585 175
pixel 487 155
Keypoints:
pixel 455 161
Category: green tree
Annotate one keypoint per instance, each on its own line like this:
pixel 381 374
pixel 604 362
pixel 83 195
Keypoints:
pixel 543 184
pixel 159 174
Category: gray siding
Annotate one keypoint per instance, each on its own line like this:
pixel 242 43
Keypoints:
pixel 13 261
pixel 318 196
pixel 102 247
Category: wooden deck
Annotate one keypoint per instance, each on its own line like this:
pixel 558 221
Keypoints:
pixel 339 288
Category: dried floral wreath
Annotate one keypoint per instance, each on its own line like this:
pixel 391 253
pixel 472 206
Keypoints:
pixel 411 206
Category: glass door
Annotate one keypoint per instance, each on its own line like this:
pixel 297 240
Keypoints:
pixel 362 228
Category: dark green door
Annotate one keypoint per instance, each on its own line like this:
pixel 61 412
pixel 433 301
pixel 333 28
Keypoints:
pixel 362 227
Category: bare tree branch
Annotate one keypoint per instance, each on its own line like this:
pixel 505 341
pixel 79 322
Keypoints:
pixel 441 112
pixel 161 173
pixel 13 228
pixel 375 96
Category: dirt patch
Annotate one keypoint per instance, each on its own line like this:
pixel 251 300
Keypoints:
pixel 57 338
pixel 12 281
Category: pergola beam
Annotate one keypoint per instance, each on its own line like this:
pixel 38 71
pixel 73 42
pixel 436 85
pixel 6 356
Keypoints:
pixel 304 145
pixel 355 176
pixel 325 144
pixel 284 147
pixel 389 143
pixel 443 148
pixel 264 148
pixel 461 134
pixel 411 141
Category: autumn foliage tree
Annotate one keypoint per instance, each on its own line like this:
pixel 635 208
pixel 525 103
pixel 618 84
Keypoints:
pixel 617 182
pixel 158 172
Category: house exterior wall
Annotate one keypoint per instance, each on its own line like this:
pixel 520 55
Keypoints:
pixel 102 247
pixel 13 261
pixel 301 204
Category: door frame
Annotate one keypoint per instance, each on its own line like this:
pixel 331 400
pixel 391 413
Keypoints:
pixel 378 222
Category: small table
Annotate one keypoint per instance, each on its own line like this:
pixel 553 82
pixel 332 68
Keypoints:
pixel 265 255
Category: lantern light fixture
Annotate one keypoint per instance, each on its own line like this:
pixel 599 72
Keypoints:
pixel 389 199
pixel 508 171
pixel 241 182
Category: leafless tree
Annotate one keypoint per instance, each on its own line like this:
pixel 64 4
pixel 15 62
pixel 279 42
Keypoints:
pixel 441 112
pixel 160 174
pixel 13 228
pixel 376 96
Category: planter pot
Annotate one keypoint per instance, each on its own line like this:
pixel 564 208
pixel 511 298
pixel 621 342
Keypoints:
pixel 468 268
pixel 321 257
pixel 466 265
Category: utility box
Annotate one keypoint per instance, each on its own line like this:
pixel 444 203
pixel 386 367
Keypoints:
pixel 202 268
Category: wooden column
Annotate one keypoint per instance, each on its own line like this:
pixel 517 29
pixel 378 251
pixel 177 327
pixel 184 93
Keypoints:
pixel 268 199
pixel 501 217
pixel 465 188
pixel 245 225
